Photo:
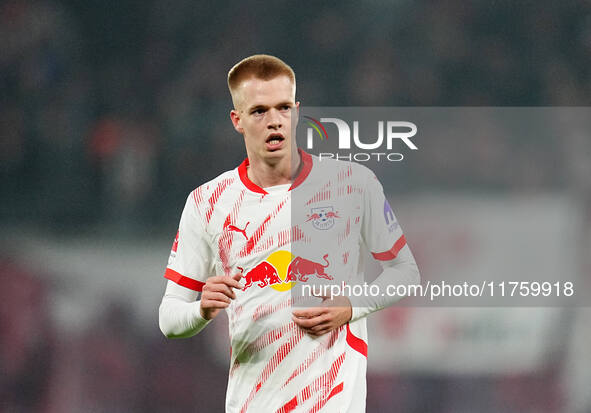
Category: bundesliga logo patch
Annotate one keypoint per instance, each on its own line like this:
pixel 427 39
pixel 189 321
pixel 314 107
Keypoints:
pixel 323 217
pixel 389 217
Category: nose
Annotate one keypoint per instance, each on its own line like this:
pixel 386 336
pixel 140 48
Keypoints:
pixel 274 119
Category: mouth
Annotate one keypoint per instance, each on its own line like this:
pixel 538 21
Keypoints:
pixel 274 141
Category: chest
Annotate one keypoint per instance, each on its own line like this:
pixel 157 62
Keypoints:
pixel 249 232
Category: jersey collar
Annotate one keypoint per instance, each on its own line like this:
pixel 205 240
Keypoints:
pixel 304 172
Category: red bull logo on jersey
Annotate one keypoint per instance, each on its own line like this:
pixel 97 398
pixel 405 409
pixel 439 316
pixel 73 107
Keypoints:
pixel 322 218
pixel 282 270
pixel 301 268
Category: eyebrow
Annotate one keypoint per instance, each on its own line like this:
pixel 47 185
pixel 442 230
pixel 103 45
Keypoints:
pixel 255 107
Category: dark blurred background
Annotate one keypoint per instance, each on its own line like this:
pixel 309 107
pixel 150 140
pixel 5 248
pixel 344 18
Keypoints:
pixel 111 112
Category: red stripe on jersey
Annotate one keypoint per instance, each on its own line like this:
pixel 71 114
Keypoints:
pixel 289 406
pixel 345 173
pixel 320 384
pixel 215 196
pixel 346 232
pixel 305 171
pixel 290 235
pixel 320 404
pixel 268 338
pixel 256 236
pixel 272 364
pixel 355 342
pixel 392 252
pixel 226 239
pixel 337 389
pixel 263 310
pixel 323 194
pixel 243 174
pixel 198 196
pixel 181 280
pixel 264 245
pixel 321 349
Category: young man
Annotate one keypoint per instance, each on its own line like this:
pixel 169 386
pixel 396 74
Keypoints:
pixel 236 242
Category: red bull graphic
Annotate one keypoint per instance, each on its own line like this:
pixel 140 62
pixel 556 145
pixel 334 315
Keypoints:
pixel 301 268
pixel 264 274
pixel 281 270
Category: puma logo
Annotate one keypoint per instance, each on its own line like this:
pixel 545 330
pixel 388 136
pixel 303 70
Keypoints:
pixel 236 229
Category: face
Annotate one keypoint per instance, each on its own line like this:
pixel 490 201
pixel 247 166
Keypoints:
pixel 263 114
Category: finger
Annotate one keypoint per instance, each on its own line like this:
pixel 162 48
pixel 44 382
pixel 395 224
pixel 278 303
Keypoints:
pixel 211 304
pixel 232 282
pixel 320 327
pixel 309 312
pixel 309 322
pixel 321 332
pixel 318 330
pixel 223 280
pixel 216 296
pixel 222 288
pixel 305 322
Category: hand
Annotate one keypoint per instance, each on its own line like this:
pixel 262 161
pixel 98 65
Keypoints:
pixel 330 315
pixel 217 293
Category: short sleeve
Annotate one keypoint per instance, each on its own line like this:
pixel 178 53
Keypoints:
pixel 191 259
pixel 381 231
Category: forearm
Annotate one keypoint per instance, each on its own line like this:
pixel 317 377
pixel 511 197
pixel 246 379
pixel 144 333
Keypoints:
pixel 401 271
pixel 179 313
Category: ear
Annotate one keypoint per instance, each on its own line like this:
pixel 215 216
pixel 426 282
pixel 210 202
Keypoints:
pixel 297 115
pixel 235 117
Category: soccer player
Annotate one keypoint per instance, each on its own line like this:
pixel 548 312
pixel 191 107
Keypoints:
pixel 236 242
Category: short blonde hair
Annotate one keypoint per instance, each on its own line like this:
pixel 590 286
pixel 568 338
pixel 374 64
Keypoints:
pixel 259 66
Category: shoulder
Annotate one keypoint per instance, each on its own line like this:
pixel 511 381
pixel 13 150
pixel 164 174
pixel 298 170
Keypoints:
pixel 213 188
pixel 343 169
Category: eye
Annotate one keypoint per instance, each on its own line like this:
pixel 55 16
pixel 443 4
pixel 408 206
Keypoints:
pixel 258 111
pixel 285 107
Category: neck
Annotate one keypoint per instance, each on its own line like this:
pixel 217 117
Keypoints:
pixel 266 175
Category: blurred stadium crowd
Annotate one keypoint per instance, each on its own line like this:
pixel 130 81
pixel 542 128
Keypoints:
pixel 112 111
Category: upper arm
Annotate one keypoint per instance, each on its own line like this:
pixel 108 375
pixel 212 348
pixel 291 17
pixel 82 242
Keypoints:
pixel 191 258
pixel 174 290
pixel 381 232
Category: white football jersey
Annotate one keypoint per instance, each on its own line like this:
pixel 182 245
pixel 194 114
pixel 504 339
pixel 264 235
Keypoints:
pixel 282 238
